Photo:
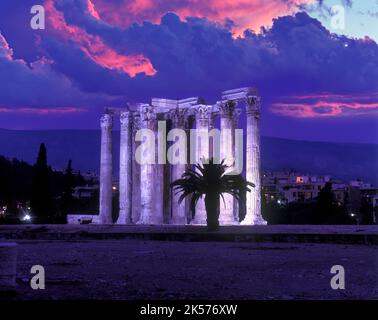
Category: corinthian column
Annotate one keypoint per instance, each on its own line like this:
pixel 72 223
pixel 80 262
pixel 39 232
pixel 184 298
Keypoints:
pixel 253 214
pixel 148 173
pixel 178 209
pixel 227 110
pixel 203 116
pixel 135 171
pixel 106 170
pixel 238 156
pixel 125 169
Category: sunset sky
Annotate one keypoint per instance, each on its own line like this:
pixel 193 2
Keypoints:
pixel 316 82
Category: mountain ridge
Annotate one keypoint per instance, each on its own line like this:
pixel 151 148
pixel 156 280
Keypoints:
pixel 346 161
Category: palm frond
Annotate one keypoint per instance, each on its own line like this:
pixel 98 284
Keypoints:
pixel 209 178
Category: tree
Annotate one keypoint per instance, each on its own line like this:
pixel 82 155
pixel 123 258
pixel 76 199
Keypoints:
pixel 6 185
pixel 329 210
pixel 273 212
pixel 69 184
pixel 41 201
pixel 366 211
pixel 80 179
pixel 210 180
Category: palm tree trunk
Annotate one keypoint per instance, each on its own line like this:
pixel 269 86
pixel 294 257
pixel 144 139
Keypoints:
pixel 212 211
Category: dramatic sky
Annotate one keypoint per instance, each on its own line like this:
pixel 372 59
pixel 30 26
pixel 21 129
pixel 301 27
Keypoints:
pixel 317 82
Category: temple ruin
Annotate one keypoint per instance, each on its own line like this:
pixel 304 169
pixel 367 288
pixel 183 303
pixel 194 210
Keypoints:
pixel 145 196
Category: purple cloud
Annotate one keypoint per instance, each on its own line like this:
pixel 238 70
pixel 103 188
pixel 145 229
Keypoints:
pixel 297 56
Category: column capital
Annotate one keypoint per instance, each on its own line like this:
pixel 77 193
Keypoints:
pixel 125 118
pixel 178 117
pixel 227 108
pixel 203 115
pixel 203 112
pixel 136 122
pixel 148 113
pixel 253 105
pixel 106 121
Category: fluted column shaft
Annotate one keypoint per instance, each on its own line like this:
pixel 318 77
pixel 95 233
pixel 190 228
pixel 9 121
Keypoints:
pixel 106 170
pixel 125 169
pixel 135 216
pixel 237 153
pixel 227 140
pixel 190 122
pixel 253 169
pixel 203 116
pixel 148 174
pixel 178 209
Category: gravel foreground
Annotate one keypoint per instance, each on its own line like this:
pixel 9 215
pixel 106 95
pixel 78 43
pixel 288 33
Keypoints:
pixel 136 269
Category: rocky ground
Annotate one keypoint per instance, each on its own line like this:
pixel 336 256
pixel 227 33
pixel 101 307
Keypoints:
pixel 137 269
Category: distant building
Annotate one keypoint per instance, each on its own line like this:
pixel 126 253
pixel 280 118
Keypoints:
pixel 370 194
pixel 289 186
pixel 360 184
pixel 88 175
pixel 82 192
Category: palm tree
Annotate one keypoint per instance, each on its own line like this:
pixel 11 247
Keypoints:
pixel 212 181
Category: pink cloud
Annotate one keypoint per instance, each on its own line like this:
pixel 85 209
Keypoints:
pixel 332 96
pixel 5 50
pixel 251 14
pixel 94 47
pixel 326 105
pixel 92 10
pixel 33 88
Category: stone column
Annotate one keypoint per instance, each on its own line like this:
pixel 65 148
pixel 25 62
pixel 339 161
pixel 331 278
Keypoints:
pixel 253 214
pixel 203 116
pixel 212 142
pixel 106 170
pixel 167 177
pixel 135 171
pixel 189 125
pixel 125 168
pixel 159 168
pixel 227 109
pixel 237 206
pixel 148 174
pixel 178 210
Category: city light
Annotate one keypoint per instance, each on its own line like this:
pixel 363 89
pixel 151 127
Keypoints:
pixel 3 210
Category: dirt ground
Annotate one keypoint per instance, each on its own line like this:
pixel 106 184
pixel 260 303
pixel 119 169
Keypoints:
pixel 136 269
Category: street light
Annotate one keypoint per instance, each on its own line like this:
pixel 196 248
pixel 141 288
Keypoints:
pixel 26 217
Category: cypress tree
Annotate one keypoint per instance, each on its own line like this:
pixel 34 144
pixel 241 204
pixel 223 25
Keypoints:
pixel 41 201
